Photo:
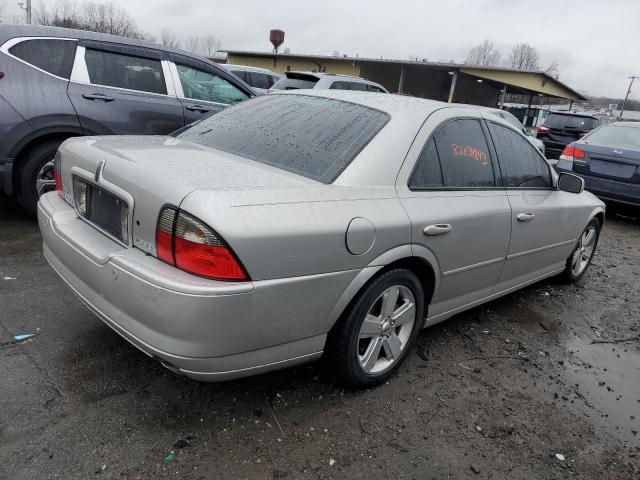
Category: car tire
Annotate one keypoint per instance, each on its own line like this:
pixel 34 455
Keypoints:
pixel 34 160
pixel 364 355
pixel 581 256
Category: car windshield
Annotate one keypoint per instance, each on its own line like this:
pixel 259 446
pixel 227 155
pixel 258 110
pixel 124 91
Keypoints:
pixel 311 136
pixel 615 136
pixel 556 120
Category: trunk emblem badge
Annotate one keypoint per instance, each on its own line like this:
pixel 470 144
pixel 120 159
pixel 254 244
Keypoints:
pixel 617 152
pixel 98 170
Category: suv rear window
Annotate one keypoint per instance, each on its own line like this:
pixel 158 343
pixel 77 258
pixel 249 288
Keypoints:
pixel 51 55
pixel 295 81
pixel 557 120
pixel 310 136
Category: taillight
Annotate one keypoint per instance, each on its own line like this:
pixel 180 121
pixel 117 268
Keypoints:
pixel 571 152
pixel 540 130
pixel 57 177
pixel 190 245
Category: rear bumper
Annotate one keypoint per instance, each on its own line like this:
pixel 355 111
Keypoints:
pixel 205 329
pixel 606 189
pixel 6 175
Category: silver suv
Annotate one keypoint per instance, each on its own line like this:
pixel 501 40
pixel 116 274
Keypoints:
pixel 326 81
pixel 58 83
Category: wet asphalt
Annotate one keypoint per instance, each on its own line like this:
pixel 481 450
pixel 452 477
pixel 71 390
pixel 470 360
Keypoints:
pixel 543 383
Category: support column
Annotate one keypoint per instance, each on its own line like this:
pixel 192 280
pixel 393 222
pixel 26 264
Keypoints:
pixel 571 105
pixel 503 96
pixel 403 72
pixel 526 116
pixel 452 89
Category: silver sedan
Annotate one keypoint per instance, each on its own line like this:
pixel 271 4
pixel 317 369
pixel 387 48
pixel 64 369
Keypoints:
pixel 301 224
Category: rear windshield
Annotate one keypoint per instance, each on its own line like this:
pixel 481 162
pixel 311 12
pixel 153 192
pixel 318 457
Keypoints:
pixel 313 137
pixel 556 120
pixel 295 81
pixel 615 136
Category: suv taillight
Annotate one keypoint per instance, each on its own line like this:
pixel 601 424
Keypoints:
pixel 571 153
pixel 188 244
pixel 57 178
pixel 542 129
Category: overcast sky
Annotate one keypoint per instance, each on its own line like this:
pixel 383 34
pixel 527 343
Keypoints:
pixel 596 42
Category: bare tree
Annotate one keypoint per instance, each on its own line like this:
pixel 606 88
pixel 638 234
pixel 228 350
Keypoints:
pixel 192 44
pixel 553 69
pixel 210 45
pixel 484 55
pixel 523 57
pixel 168 38
pixel 103 17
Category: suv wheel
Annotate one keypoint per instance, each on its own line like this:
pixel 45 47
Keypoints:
pixel 35 174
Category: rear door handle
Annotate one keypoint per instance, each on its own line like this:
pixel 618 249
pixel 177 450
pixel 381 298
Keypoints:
pixel 198 108
pixel 526 217
pixel 437 229
pixel 97 96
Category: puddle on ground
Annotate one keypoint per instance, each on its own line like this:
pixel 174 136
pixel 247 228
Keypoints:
pixel 608 376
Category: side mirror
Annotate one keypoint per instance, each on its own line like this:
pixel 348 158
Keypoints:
pixel 568 182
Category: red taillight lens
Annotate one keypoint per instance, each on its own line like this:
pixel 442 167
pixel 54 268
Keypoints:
pixel 57 177
pixel 187 243
pixel 572 152
pixel 541 130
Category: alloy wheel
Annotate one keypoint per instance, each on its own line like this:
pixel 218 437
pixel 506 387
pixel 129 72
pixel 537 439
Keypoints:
pixel 386 329
pixel 583 253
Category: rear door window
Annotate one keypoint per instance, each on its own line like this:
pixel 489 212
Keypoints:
pixel 311 136
pixel 464 154
pixel 200 85
pixel 521 164
pixel 427 172
pixel 51 55
pixel 125 71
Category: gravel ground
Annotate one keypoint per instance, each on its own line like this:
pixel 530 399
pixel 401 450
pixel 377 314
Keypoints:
pixel 495 392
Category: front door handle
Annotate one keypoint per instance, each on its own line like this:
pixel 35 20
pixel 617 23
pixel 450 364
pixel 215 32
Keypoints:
pixel 437 229
pixel 526 217
pixel 198 108
pixel 97 96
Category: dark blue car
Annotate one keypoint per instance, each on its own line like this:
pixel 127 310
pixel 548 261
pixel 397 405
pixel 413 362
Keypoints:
pixel 608 159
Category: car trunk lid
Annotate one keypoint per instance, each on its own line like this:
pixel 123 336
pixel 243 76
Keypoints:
pixel 149 172
pixel 609 163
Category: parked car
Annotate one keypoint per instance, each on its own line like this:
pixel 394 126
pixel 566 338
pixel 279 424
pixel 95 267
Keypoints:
pixel 515 123
pixel 260 79
pixel 608 159
pixel 307 223
pixel 58 83
pixel 325 81
pixel 561 128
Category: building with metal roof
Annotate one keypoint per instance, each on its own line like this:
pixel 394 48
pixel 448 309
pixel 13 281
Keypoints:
pixel 449 82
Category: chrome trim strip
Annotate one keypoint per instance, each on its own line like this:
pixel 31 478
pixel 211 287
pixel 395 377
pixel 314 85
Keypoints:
pixel 541 249
pixel 471 267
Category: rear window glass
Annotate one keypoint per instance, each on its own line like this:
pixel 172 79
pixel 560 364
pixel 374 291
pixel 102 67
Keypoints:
pixel 571 121
pixel 295 83
pixel 53 56
pixel 313 137
pixel 615 136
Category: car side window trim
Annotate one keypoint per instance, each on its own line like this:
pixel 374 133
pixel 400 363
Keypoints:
pixel 80 75
pixel 542 158
pixel 15 41
pixel 492 154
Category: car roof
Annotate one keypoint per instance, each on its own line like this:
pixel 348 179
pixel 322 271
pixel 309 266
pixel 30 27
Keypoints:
pixel 395 105
pixel 626 123
pixel 12 31
pixel 576 114
pixel 247 68
pixel 320 75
